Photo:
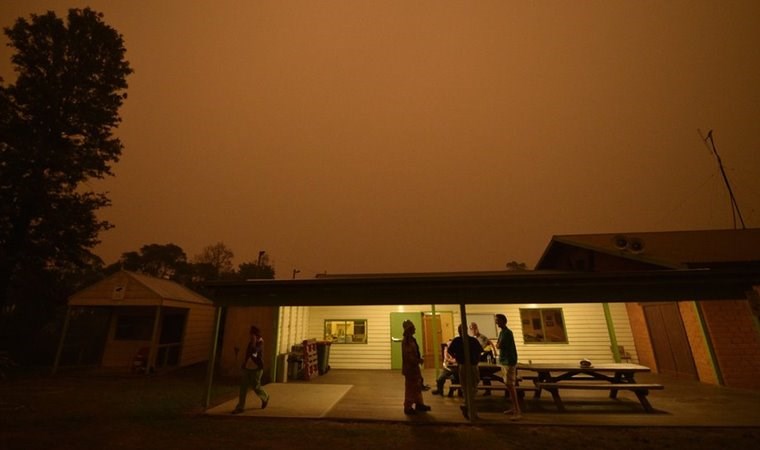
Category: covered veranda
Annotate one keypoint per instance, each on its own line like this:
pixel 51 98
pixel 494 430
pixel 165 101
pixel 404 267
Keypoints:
pixel 377 395
pixel 480 288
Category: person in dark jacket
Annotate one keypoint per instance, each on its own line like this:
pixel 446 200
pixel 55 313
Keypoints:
pixel 252 370
pixel 471 377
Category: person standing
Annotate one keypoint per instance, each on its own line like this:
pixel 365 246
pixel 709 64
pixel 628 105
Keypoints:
pixel 410 368
pixel 252 370
pixel 486 353
pixel 482 338
pixel 469 378
pixel 508 363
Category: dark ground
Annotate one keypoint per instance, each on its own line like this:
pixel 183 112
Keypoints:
pixel 93 411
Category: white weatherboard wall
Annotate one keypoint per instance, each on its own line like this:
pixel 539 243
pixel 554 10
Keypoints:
pixel 623 330
pixel 587 333
pixel 585 325
pixel 199 326
pixel 376 353
pixel 293 325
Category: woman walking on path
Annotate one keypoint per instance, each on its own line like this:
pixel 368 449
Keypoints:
pixel 252 370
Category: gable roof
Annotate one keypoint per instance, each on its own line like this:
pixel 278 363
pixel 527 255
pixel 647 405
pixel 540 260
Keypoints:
pixel 138 288
pixel 669 249
pixel 169 290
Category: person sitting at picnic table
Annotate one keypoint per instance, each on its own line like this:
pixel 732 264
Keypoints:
pixel 448 372
pixel 469 378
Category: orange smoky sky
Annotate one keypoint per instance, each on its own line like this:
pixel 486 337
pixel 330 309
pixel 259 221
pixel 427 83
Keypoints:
pixel 416 136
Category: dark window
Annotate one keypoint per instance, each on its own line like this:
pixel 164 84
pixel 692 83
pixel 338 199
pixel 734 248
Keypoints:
pixel 172 327
pixel 134 328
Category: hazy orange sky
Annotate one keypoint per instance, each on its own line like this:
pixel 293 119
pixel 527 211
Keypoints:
pixel 416 136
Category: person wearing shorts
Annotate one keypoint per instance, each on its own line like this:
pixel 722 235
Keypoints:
pixel 508 362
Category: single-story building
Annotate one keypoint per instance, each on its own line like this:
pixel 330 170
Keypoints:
pixel 605 297
pixel 133 321
pixel 362 335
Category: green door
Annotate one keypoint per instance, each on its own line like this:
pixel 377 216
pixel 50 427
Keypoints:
pixel 397 333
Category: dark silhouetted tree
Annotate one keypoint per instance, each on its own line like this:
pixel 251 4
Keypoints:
pixel 56 132
pixel 514 265
pixel 215 262
pixel 258 269
pixel 159 260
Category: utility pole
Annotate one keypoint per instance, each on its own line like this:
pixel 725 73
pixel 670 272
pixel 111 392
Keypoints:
pixel 261 255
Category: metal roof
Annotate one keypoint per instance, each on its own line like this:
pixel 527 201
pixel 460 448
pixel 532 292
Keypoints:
pixel 670 249
pixel 490 287
pixel 683 265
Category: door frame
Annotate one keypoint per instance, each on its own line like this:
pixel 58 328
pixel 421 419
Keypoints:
pixel 397 333
pixel 668 359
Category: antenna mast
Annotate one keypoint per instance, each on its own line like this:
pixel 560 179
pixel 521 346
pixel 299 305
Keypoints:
pixel 734 205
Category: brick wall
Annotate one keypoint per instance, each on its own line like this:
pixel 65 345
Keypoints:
pixel 735 340
pixel 697 343
pixel 641 336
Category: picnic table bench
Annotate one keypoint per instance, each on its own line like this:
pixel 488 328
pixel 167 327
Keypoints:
pixel 612 377
pixel 641 391
pixel 519 388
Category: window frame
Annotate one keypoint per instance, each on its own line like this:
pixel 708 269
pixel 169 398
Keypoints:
pixel 543 322
pixel 361 322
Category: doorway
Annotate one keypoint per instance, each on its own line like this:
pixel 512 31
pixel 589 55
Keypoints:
pixel 669 341
pixel 397 333
pixel 444 329
pixel 170 338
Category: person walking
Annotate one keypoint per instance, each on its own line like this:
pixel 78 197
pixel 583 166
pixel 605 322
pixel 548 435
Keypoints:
pixel 410 368
pixel 508 363
pixel 252 370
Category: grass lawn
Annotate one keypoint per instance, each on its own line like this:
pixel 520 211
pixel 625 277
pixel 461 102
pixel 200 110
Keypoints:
pixel 90 411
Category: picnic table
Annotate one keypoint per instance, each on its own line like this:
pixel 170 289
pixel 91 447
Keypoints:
pixel 488 373
pixel 612 377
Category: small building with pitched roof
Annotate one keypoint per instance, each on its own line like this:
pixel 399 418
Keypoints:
pixel 136 322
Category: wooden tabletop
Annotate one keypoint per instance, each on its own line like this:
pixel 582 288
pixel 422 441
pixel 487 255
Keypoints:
pixel 576 367
pixel 483 367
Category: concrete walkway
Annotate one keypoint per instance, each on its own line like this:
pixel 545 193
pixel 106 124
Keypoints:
pixel 377 395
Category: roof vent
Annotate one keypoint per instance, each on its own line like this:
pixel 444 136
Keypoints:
pixel 636 245
pixel 620 241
